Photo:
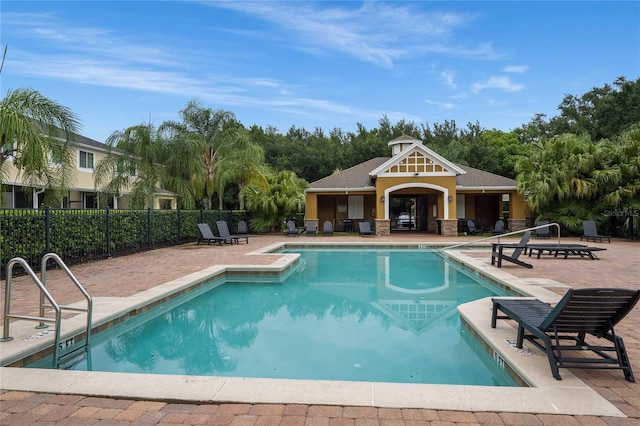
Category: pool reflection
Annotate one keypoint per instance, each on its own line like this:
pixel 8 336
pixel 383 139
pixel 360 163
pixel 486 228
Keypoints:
pixel 360 315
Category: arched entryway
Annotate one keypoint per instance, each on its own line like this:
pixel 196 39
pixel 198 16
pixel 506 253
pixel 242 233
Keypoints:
pixel 414 207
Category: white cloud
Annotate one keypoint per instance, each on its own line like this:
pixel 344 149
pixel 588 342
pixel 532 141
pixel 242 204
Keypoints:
pixel 441 105
pixel 380 33
pixel 497 82
pixel 449 78
pixel 516 69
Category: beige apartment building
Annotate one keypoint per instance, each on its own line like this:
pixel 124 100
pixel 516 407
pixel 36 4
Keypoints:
pixel 82 194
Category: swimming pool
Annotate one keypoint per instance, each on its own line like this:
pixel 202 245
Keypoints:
pixel 381 315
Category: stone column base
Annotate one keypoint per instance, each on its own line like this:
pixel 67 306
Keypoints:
pixel 383 227
pixel 517 224
pixel 449 227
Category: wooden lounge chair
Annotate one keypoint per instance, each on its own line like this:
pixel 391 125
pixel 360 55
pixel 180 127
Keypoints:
pixel 223 230
pixel 542 232
pixel 498 228
pixel 579 313
pixel 497 252
pixel 471 226
pixel 365 229
pixel 327 227
pixel 206 234
pixel 564 249
pixel 312 229
pixel 243 231
pixel 590 232
pixel 292 229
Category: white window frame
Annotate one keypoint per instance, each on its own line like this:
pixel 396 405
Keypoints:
pixel 87 153
pixel 356 207
pixel 9 147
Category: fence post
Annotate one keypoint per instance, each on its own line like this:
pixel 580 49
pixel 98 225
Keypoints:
pixel 149 227
pixel 108 230
pixel 47 231
pixel 179 225
pixel 201 215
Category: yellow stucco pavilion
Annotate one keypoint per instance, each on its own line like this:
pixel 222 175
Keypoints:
pixel 414 190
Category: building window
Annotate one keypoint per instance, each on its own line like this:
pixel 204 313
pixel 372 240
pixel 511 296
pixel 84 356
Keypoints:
pixel 8 150
pixel 90 201
pixel 86 160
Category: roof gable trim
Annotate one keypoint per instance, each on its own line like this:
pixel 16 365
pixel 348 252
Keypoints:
pixel 417 159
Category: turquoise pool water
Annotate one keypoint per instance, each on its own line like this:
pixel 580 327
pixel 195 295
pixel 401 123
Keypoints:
pixel 355 315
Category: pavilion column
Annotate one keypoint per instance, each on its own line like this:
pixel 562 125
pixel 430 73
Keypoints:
pixel 516 224
pixel 383 227
pixel 449 227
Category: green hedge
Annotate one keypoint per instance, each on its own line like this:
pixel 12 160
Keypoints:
pixel 84 235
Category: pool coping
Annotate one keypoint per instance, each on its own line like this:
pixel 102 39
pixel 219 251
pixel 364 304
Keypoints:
pixel 545 395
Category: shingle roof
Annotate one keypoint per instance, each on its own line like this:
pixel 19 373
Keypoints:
pixel 354 177
pixel 358 177
pixel 480 178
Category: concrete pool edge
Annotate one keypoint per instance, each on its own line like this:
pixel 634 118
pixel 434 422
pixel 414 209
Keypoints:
pixel 564 399
pixel 569 396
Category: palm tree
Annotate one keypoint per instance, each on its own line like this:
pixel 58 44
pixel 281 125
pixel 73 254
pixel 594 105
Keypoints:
pixel 556 170
pixel 209 130
pixel 142 159
pixel 38 134
pixel 570 179
pixel 240 163
pixel 272 205
pixel 619 176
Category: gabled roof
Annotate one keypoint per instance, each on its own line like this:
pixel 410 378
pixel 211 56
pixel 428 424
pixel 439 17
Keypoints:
pixel 428 161
pixel 359 177
pixel 403 138
pixel 351 178
pixel 82 141
pixel 479 179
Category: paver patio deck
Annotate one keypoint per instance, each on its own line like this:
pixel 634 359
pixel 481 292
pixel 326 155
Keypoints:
pixel 124 276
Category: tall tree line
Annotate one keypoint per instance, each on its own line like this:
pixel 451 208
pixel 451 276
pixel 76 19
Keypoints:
pixel 209 158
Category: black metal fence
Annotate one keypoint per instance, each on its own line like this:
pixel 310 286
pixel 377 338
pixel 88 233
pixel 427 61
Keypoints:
pixel 622 223
pixel 84 235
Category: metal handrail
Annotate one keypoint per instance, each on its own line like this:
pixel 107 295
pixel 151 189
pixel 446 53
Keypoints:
pixel 533 228
pixel 44 294
pixel 63 266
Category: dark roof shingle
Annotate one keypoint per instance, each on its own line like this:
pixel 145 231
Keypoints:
pixel 358 177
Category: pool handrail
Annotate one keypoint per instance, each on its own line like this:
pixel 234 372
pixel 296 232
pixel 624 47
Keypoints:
pixel 7 304
pixel 520 231
pixel 45 295
pixel 43 278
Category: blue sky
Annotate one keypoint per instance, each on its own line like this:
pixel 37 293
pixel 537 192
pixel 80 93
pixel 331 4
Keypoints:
pixel 317 64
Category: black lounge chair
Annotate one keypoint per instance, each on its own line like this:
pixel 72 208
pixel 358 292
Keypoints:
pixel 542 232
pixel 312 229
pixel 497 252
pixel 579 312
pixel 327 227
pixel 207 235
pixel 223 230
pixel 365 229
pixel 498 228
pixel 564 249
pixel 292 229
pixel 590 232
pixel 471 226
pixel 243 231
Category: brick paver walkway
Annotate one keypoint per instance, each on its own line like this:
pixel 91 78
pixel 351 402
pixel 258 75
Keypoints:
pixel 619 267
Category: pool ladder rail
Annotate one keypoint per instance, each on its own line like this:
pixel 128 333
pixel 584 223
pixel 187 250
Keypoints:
pixel 45 294
pixel 498 236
